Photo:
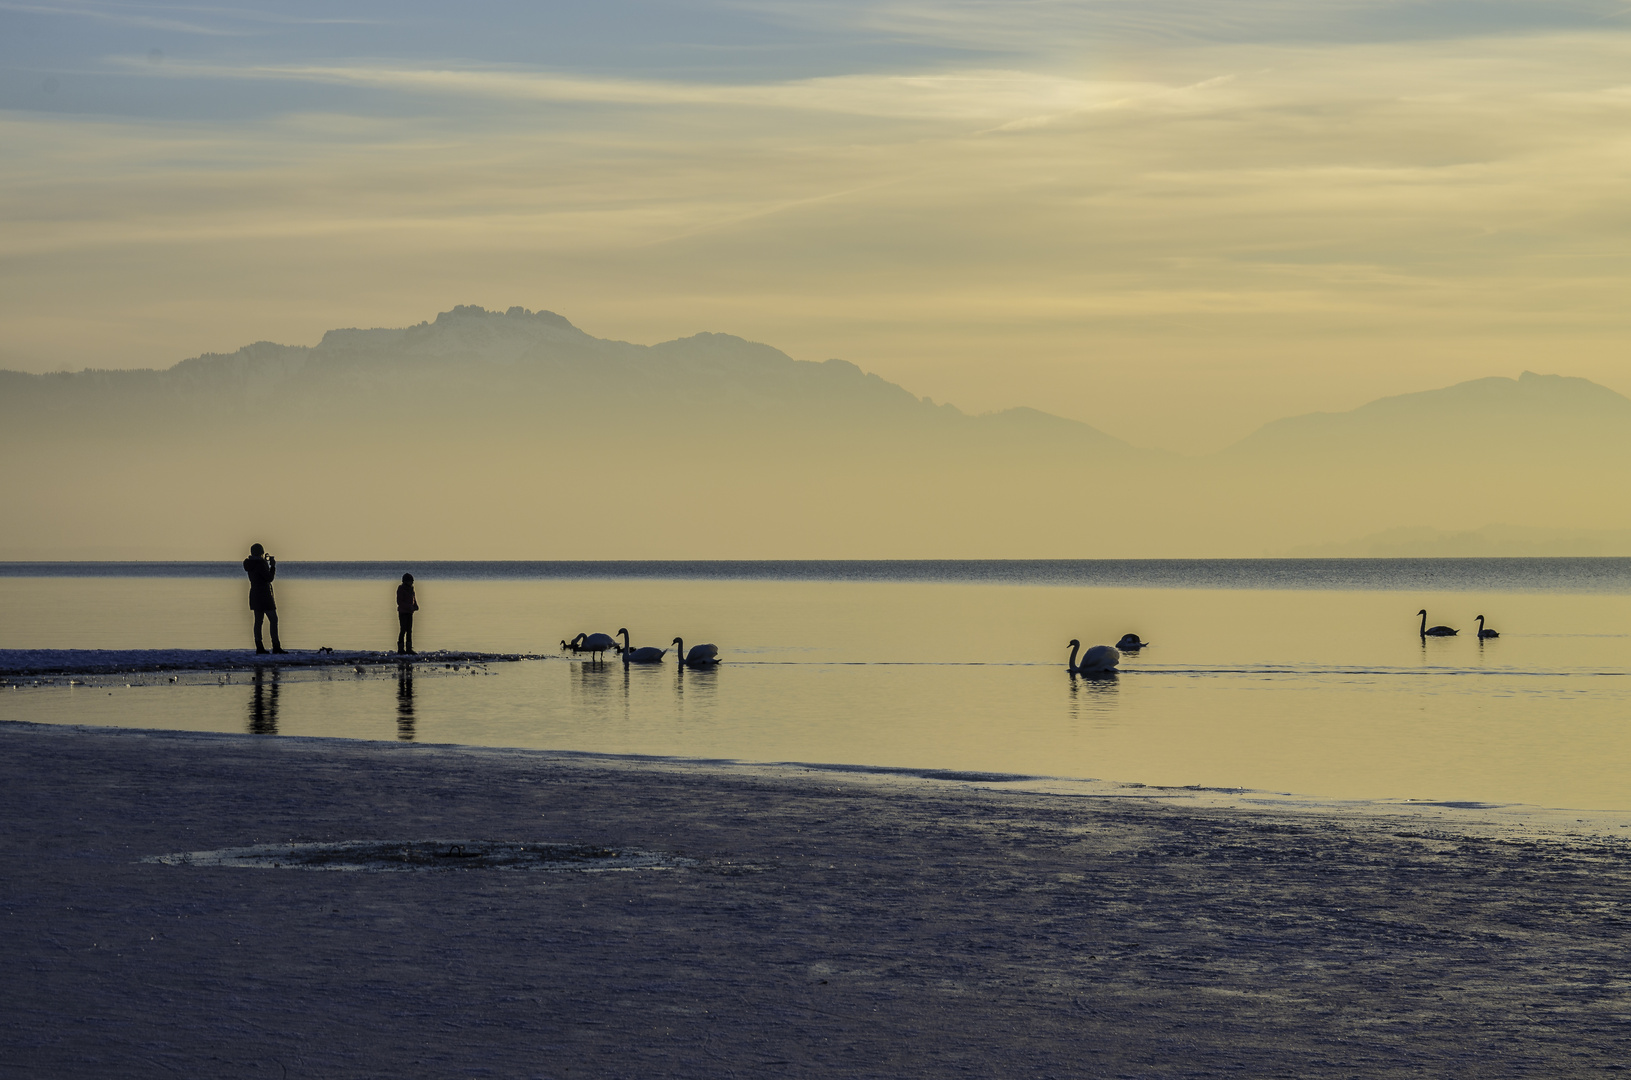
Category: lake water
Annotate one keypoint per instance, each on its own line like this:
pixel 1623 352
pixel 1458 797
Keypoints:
pixel 1302 676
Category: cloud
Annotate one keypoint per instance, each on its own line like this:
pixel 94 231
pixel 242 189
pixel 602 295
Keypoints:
pixel 123 16
pixel 1217 220
pixel 972 95
pixel 1052 27
pixel 178 18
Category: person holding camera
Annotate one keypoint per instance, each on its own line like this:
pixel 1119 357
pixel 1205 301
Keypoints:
pixel 262 568
pixel 406 605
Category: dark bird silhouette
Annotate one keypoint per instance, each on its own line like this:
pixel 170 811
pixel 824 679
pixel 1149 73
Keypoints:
pixel 1130 643
pixel 646 654
pixel 1097 660
pixel 593 644
pixel 699 656
pixel 1483 633
pixel 1434 631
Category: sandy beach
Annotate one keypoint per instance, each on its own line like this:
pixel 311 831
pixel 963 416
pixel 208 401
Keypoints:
pixel 831 924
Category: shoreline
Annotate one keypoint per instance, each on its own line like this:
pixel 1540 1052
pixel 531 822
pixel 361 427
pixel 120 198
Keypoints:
pixel 59 664
pixel 1494 820
pixel 864 923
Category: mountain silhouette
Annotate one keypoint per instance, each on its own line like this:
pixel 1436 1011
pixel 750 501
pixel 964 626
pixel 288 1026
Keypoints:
pixel 515 434
pixel 1491 416
pixel 534 374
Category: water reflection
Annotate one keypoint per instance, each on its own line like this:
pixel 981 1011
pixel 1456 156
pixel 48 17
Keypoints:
pixel 594 683
pixel 700 683
pixel 1095 694
pixel 404 702
pixel 263 696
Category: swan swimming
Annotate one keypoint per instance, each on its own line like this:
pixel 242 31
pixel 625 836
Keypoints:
pixel 699 656
pixel 1098 660
pixel 1130 643
pixel 645 654
pixel 1434 631
pixel 1483 633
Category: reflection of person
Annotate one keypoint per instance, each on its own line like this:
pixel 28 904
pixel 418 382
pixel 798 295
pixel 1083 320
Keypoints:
pixel 262 568
pixel 406 605
pixel 263 704
pixel 404 702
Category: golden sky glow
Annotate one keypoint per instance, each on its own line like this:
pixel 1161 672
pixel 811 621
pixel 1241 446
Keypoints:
pixel 1168 223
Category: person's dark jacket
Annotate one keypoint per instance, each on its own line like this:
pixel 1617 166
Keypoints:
pixel 260 574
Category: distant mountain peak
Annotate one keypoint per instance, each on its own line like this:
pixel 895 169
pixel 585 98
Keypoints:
pixel 474 312
pixel 1529 390
pixel 1489 412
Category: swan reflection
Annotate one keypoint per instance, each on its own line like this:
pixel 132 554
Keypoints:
pixel 701 683
pixel 600 686
pixel 1097 694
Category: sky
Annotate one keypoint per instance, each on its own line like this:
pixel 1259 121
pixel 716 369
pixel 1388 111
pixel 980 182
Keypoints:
pixel 1172 219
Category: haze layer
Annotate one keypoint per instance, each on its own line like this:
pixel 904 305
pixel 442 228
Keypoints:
pixel 517 435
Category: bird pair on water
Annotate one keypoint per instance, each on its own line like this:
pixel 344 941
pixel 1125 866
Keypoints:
pixel 1446 631
pixel 1101 659
pixel 597 644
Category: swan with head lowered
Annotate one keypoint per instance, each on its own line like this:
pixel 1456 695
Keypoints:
pixel 1130 643
pixel 699 656
pixel 593 644
pixel 1097 660
pixel 646 654
pixel 1483 633
pixel 1435 631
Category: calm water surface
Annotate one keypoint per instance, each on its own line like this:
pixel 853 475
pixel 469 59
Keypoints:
pixel 1282 685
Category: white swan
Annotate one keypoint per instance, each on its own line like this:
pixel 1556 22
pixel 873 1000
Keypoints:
pixel 1483 633
pixel 699 656
pixel 1434 631
pixel 646 654
pixel 1130 643
pixel 1098 660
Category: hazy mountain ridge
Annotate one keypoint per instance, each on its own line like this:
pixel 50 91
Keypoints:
pixel 1489 415
pixel 517 435
pixel 535 364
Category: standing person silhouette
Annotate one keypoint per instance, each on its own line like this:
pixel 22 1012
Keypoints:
pixel 406 605
pixel 262 568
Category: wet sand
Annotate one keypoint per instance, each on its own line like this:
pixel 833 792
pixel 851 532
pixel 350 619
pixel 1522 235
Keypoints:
pixel 834 924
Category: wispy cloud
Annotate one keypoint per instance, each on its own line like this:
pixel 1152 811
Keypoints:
pixel 1142 217
pixel 1050 27
pixel 977 95
pixel 124 17
pixel 180 18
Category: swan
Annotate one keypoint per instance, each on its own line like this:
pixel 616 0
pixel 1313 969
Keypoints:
pixel 1098 660
pixel 699 656
pixel 1130 643
pixel 1434 631
pixel 646 654
pixel 595 644
pixel 1482 633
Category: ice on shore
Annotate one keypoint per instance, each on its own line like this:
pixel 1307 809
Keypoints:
pixel 31 662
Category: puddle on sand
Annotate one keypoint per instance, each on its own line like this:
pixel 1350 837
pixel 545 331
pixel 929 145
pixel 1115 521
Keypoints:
pixel 413 856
